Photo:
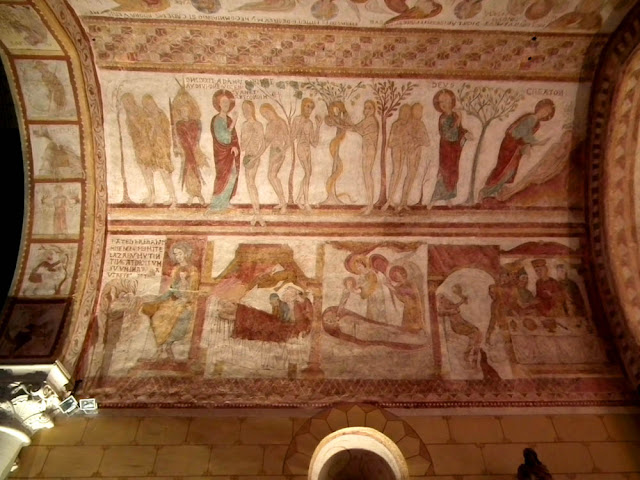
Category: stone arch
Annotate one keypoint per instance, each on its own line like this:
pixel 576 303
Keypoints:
pixel 326 422
pixel 62 56
pixel 358 450
pixel 612 191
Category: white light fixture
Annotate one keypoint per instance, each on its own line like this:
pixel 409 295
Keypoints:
pixel 89 405
pixel 68 405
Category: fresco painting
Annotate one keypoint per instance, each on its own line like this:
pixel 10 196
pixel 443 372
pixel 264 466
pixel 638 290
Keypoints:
pixel 246 308
pixel 49 270
pixel 32 329
pixel 374 301
pixel 514 312
pixel 335 235
pixel 550 15
pixel 49 94
pixel 55 152
pixel 373 147
pixel 22 29
pixel 57 210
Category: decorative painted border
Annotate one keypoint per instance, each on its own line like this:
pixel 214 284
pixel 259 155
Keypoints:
pixel 57 11
pixel 237 48
pixel 610 194
pixel 75 51
pixel 435 393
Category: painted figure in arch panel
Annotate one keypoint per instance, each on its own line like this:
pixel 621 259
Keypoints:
pixel 516 144
pixel 50 275
pixel 452 138
pixel 55 89
pixel 60 201
pixel 58 159
pixel 226 150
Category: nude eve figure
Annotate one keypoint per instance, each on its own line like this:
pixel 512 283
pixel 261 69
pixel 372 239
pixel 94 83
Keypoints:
pixel 251 141
pixel 305 134
pixel 276 138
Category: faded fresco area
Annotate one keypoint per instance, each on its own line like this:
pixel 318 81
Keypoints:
pixel 23 29
pixel 551 15
pixel 48 95
pixel 32 329
pixel 55 152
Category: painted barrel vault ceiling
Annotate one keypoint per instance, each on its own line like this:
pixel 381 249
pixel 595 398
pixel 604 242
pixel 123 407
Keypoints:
pixel 305 202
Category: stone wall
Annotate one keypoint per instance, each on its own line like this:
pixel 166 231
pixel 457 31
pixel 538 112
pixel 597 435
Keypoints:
pixel 275 445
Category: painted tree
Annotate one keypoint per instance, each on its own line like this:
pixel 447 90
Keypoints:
pixel 388 98
pixel 486 104
pixel 286 96
pixel 334 96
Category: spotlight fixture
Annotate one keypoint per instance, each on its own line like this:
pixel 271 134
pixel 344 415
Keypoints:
pixel 68 405
pixel 89 406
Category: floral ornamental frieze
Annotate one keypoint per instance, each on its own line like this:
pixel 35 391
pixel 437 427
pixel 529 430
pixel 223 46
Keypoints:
pixel 222 48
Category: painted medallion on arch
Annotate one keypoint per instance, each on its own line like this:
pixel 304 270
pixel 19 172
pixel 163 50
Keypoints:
pixel 57 209
pixel 46 88
pixel 23 30
pixel 49 270
pixel 32 329
pixel 55 151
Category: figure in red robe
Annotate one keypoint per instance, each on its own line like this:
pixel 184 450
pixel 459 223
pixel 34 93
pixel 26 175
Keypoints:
pixel 549 292
pixel 452 138
pixel 226 150
pixel 517 143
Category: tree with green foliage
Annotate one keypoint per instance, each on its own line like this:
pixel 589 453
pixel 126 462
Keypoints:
pixel 286 95
pixel 334 96
pixel 388 98
pixel 485 104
